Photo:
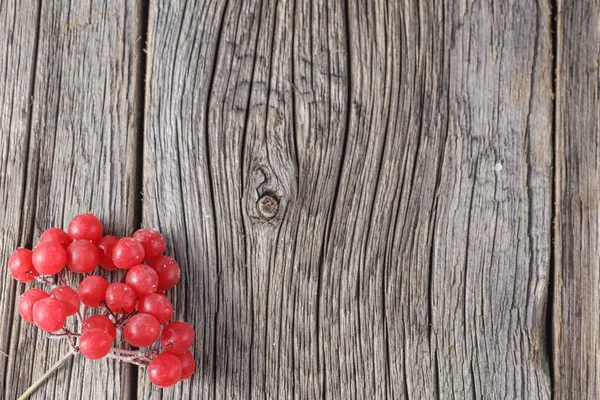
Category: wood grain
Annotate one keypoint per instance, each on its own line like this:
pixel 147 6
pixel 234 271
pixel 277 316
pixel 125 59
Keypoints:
pixel 576 330
pixel 83 138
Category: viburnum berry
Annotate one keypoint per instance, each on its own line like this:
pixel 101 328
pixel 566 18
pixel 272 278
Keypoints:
pixel 95 344
pixel 82 256
pixel 27 300
pixel 188 364
pixel 20 265
pixel 143 279
pixel 165 370
pixel 92 290
pixel 141 330
pixel 99 322
pixel 56 235
pixel 127 252
pixel 177 337
pixel 49 314
pixel 69 298
pixel 157 305
pixel 154 243
pixel 168 272
pixel 105 245
pixel 120 298
pixel 85 227
pixel 48 258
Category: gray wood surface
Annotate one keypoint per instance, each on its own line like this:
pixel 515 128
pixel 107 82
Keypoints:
pixel 359 193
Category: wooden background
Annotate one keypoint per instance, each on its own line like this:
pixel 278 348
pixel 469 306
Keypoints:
pixel 369 199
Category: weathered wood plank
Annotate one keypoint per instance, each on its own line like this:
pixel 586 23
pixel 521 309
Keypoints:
pixel 577 244
pixel 81 157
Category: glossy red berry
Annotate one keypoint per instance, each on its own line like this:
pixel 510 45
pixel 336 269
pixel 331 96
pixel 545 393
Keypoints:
pixel 99 322
pixel 95 344
pixel 165 370
pixel 56 235
pixel 82 256
pixel 177 337
pixel 27 300
pixel 154 243
pixel 120 298
pixel 48 258
pixel 105 245
pixel 157 305
pixel 188 364
pixel 127 253
pixel 143 279
pixel 68 296
pixel 85 227
pixel 141 330
pixel 20 265
pixel 168 272
pixel 49 314
pixel 92 290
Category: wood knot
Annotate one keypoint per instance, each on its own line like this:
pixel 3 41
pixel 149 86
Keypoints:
pixel 268 206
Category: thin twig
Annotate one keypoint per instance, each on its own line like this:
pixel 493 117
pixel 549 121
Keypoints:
pixel 42 378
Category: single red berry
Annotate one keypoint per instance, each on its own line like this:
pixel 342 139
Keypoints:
pixel 49 258
pixel 120 298
pixel 27 300
pixel 56 235
pixel 49 314
pixel 157 305
pixel 20 265
pixel 105 245
pixel 82 256
pixel 168 272
pixel 92 290
pixel 95 344
pixel 165 370
pixel 154 243
pixel 85 227
pixel 127 252
pixel 188 364
pixel 69 297
pixel 99 322
pixel 141 330
pixel 177 337
pixel 143 279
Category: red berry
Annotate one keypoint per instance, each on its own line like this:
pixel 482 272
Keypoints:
pixel 82 256
pixel 99 322
pixel 168 272
pixel 85 227
pixel 20 265
pixel 142 279
pixel 127 252
pixel 95 344
pixel 106 245
pixel 158 306
pixel 165 370
pixel 120 298
pixel 49 258
pixel 92 290
pixel 141 330
pixel 56 235
pixel 49 314
pixel 188 364
pixel 27 300
pixel 177 337
pixel 154 243
pixel 68 296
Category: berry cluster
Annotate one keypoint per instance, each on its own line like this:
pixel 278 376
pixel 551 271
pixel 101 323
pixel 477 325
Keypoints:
pixel 135 306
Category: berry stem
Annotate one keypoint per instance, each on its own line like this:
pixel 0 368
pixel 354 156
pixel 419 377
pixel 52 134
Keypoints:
pixel 42 378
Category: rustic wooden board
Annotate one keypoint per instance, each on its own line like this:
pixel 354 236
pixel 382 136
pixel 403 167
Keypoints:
pixel 82 72
pixel 359 194
pixel 576 343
